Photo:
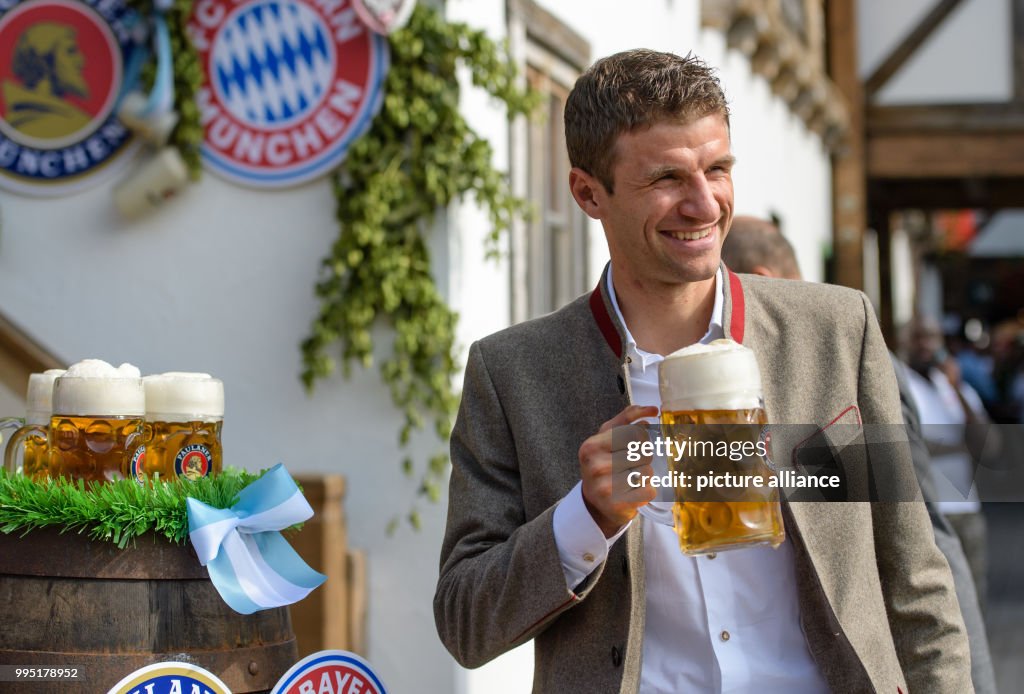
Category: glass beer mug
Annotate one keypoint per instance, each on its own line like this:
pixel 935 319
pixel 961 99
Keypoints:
pixel 184 419
pixel 96 423
pixel 29 438
pixel 712 408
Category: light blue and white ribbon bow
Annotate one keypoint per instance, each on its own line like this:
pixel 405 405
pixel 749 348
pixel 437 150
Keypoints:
pixel 251 565
pixel 160 100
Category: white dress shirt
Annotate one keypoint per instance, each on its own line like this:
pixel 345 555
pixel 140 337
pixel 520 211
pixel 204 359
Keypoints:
pixel 725 622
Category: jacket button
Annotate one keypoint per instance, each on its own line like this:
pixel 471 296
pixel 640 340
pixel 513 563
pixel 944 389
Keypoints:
pixel 616 656
pixel 622 384
pixel 625 566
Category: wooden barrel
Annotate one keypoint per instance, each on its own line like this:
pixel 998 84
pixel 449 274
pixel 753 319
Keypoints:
pixel 69 602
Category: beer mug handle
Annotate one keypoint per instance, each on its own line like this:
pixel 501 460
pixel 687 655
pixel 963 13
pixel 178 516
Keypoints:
pixel 14 445
pixel 10 423
pixel 658 510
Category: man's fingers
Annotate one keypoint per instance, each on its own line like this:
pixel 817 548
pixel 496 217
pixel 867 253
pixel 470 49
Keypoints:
pixel 633 434
pixel 629 415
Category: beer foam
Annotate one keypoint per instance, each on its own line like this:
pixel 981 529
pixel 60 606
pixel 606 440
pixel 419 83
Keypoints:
pixel 181 396
pixel 97 368
pixel 40 395
pixel 94 387
pixel 720 375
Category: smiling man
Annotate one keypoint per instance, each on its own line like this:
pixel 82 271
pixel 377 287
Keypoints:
pixel 539 546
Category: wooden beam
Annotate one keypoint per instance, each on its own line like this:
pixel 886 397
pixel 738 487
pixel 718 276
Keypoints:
pixel 849 194
pixel 949 193
pixel 906 48
pixel 21 356
pixel 946 155
pixel 960 118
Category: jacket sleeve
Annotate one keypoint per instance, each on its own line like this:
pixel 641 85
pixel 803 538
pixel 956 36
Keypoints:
pixel 925 621
pixel 501 580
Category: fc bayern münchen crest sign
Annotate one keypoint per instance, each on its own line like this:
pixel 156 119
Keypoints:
pixel 61 66
pixel 288 85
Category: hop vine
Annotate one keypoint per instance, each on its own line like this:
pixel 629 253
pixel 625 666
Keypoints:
pixel 418 156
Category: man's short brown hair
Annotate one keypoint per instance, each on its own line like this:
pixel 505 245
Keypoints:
pixel 632 90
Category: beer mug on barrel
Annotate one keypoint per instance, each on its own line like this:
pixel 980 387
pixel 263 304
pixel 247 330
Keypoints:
pixel 30 436
pixel 96 425
pixel 713 410
pixel 184 419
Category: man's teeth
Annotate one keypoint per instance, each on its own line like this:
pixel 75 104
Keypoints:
pixel 689 235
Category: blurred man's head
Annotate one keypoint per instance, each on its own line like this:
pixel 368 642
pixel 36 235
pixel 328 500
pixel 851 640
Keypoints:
pixel 924 343
pixel 756 246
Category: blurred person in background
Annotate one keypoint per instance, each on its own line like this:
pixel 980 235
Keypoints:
pixel 976 363
pixel 955 428
pixel 1008 355
pixel 756 246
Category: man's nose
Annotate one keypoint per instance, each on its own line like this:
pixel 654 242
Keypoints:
pixel 699 202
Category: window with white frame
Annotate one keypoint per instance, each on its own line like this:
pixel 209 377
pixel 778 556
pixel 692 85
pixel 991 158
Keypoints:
pixel 549 250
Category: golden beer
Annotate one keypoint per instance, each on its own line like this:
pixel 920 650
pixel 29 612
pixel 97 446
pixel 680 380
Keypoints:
pixel 92 448
pixel 184 420
pixel 182 449
pixel 714 519
pixel 37 457
pixel 96 427
pixel 713 410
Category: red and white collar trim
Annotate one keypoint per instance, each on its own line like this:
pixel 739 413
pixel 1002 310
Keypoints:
pixel 599 308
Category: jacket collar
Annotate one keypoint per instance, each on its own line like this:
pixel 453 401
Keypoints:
pixel 733 313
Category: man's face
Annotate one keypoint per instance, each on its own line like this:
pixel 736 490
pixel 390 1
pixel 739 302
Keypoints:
pixel 68 63
pixel 673 202
pixel 926 344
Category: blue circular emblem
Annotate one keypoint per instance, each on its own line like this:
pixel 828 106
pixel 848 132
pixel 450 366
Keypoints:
pixel 193 461
pixel 288 85
pixel 330 671
pixel 170 678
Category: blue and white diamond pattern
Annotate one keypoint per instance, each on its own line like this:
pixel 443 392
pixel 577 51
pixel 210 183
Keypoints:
pixel 272 63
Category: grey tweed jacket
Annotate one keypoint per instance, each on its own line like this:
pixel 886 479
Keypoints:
pixel 877 604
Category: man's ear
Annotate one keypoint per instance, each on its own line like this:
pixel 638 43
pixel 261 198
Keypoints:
pixel 588 192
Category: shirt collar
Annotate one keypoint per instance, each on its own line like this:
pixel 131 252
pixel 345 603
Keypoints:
pixel 641 359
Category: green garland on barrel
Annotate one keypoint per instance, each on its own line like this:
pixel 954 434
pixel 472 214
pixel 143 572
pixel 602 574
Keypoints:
pixel 419 155
pixel 119 511
pixel 187 135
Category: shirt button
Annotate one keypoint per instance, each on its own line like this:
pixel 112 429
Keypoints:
pixel 588 557
pixel 712 555
pixel 724 635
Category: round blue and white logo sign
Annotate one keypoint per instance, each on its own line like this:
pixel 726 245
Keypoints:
pixel 288 85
